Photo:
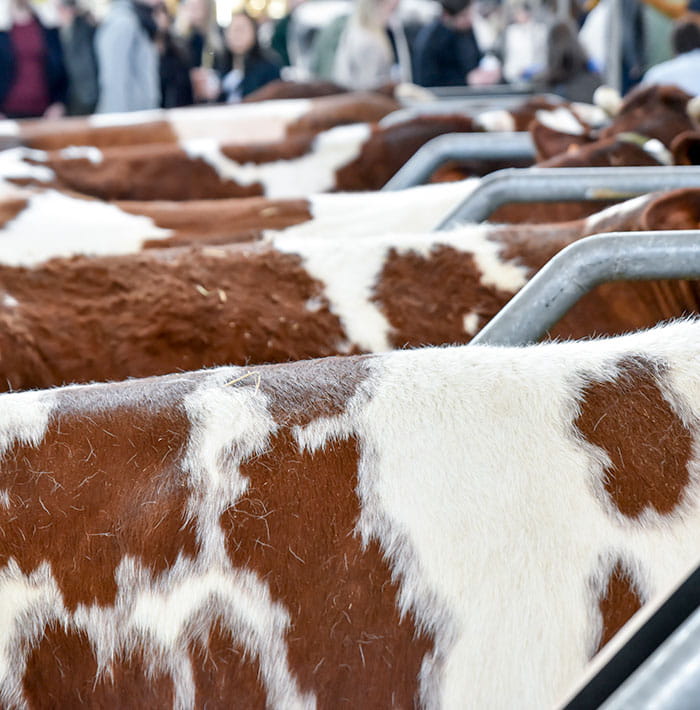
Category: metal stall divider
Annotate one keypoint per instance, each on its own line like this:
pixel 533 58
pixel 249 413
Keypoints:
pixel 616 256
pixel 566 184
pixel 460 146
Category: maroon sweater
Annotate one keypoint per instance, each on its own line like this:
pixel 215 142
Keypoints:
pixel 29 93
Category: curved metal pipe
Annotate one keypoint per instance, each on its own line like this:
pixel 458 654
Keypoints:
pixel 460 146
pixel 580 267
pixel 566 184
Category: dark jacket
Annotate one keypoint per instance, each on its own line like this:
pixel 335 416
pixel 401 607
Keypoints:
pixel 444 57
pixel 81 65
pixel 55 69
pixel 175 84
pixel 259 70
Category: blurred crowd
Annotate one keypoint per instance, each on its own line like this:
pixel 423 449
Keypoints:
pixel 146 54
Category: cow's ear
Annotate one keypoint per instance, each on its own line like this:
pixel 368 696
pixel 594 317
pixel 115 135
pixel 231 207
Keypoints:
pixel 686 148
pixel 549 142
pixel 679 209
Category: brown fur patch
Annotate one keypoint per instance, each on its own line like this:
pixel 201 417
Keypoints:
pixel 342 109
pixel 224 676
pixel 679 209
pixel 62 673
pixel 221 221
pixel 294 400
pixel 280 89
pixel 387 149
pixel 287 149
pixel 550 142
pixel 148 172
pixel 618 605
pixel 100 519
pixel 686 148
pixel 648 444
pixel 10 208
pixel 606 152
pixel 162 311
pixel 295 527
pixel 56 135
pixel 426 298
pixel 655 111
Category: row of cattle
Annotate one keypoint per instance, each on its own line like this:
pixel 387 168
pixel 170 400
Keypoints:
pixel 446 527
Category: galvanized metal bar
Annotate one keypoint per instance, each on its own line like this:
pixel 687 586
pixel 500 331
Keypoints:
pixel 582 266
pixel 471 106
pixel 630 667
pixel 566 184
pixel 670 679
pixel 460 146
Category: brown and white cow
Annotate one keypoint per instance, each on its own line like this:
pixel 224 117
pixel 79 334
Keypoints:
pixel 451 527
pixel 39 224
pixel 355 157
pixel 297 296
pixel 242 123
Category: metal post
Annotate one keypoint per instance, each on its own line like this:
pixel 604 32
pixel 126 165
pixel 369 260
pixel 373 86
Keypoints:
pixel 670 679
pixel 582 266
pixel 460 146
pixel 566 184
pixel 613 59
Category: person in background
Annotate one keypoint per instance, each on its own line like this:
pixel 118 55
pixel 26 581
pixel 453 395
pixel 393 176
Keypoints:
pixel 174 64
pixel 196 24
pixel 524 45
pixel 446 49
pixel 127 58
pixel 684 69
pixel 569 72
pixel 77 39
pixel 33 80
pixel 372 49
pixel 250 68
pixel 279 43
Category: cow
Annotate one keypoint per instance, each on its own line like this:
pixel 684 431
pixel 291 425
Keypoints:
pixel 648 121
pixel 249 123
pixel 38 224
pixel 443 527
pixel 355 157
pixel 295 296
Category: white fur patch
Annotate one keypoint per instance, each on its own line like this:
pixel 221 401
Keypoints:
pixel 496 120
pixel 127 118
pixel 9 128
pixel 28 604
pixel 416 209
pixel 14 165
pixel 471 323
pixel 594 116
pixel 9 301
pixel 5 500
pixel 313 172
pixel 262 122
pixel 350 269
pixel 86 152
pixel 562 120
pixel 24 418
pixel 54 224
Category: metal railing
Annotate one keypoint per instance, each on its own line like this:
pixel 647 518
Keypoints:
pixel 580 267
pixel 460 146
pixel 566 184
